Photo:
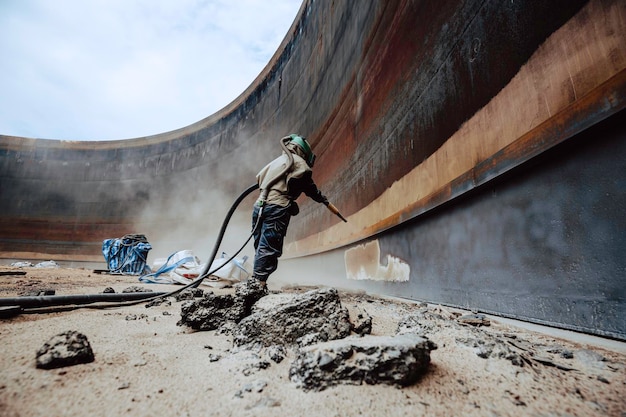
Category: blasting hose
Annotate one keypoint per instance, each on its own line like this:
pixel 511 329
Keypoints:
pixel 205 272
pixel 53 303
pixel 47 304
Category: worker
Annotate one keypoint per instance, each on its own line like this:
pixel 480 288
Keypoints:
pixel 281 182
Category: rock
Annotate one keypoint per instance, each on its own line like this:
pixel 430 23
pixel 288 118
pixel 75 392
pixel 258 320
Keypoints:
pixel 276 353
pixel 108 290
pixel 65 349
pixel 210 312
pixel 189 294
pixel 214 311
pixel 362 323
pixel 227 328
pixel 486 346
pixel 474 320
pixel 132 317
pixel 393 360
pixel 272 301
pixel 250 292
pixel 158 301
pixel 603 379
pixel 311 339
pixel 314 316
pixel 135 288
pixel 419 323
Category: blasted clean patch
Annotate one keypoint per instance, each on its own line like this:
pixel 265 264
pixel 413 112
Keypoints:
pixel 363 262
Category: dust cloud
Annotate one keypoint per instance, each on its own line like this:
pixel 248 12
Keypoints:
pixel 186 211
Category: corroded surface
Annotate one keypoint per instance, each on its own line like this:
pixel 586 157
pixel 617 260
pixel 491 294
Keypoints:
pixel 409 106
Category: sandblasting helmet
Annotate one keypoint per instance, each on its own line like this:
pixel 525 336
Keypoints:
pixel 302 143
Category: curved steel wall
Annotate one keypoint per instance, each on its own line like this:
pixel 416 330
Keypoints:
pixel 408 105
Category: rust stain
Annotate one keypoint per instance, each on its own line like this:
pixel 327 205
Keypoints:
pixel 384 213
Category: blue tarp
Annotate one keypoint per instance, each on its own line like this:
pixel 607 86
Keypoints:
pixel 127 255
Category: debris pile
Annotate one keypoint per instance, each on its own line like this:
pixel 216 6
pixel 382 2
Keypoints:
pixel 318 328
pixel 285 349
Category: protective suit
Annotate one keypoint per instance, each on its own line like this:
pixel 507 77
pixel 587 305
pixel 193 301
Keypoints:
pixel 279 204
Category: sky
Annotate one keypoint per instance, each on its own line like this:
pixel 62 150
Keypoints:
pixel 119 69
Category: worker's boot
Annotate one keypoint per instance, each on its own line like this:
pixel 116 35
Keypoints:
pixel 258 284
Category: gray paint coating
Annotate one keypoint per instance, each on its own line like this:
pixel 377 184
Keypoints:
pixel 544 243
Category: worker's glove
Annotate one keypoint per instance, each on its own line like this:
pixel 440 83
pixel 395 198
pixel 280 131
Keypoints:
pixel 293 208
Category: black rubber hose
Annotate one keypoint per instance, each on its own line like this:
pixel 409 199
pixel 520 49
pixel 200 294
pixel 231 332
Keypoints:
pixel 205 273
pixel 59 300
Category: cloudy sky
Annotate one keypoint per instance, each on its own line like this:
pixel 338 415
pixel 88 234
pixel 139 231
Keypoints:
pixel 119 69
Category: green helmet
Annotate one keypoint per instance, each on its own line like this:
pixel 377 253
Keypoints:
pixel 301 141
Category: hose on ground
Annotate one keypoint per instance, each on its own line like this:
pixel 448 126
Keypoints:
pixel 193 284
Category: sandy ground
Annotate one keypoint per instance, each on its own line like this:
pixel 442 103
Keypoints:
pixel 146 365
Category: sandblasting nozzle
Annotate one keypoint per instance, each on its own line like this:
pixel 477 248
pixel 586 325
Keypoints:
pixel 334 209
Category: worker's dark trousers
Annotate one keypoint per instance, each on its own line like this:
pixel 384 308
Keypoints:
pixel 269 235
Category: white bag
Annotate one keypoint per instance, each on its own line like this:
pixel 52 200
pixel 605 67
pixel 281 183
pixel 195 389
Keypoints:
pixel 183 267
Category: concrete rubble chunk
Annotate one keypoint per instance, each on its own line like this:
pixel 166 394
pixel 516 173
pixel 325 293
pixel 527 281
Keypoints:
pixel 213 311
pixel 245 361
pixel 210 312
pixel 158 301
pixel 250 292
pixel 189 294
pixel 393 360
pixel 488 346
pixel 311 317
pixel 65 349
pixel 135 288
pixel 474 320
pixel 361 322
pixel 276 353
pixel 419 322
